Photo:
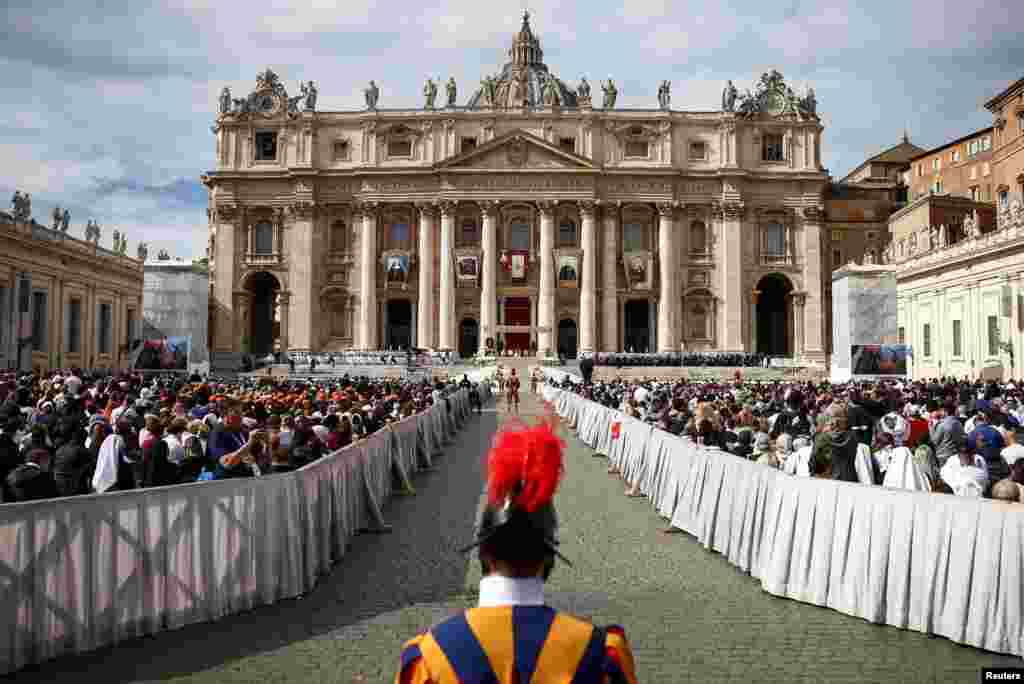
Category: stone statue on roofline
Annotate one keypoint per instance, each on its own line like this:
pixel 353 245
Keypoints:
pixel 610 94
pixel 664 95
pixel 430 93
pixel 372 94
pixel 729 98
pixel 451 91
pixel 310 92
pixel 65 221
pixel 57 215
pixel 225 101
pixel 583 91
pixel 117 242
pixel 142 251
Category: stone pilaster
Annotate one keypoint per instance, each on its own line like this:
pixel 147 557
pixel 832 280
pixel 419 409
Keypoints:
pixel 668 301
pixel 731 275
pixel 425 301
pixel 227 225
pixel 609 273
pixel 446 325
pixel 489 289
pixel 545 336
pixel 304 303
pixel 813 315
pixel 588 291
pixel 368 279
pixel 284 301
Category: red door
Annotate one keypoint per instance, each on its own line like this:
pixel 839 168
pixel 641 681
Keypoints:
pixel 517 312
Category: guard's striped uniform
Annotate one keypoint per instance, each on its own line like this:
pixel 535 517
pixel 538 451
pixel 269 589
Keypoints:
pixel 517 645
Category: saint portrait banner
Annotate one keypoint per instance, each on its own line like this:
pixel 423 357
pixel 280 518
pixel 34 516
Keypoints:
pixel 568 271
pixel 638 270
pixel 397 268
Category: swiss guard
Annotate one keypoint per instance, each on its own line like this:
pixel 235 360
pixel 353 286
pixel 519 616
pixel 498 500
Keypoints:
pixel 513 637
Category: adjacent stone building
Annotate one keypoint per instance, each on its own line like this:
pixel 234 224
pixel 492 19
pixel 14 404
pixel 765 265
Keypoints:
pixel 532 213
pixel 64 302
pixel 1007 160
pixel 961 168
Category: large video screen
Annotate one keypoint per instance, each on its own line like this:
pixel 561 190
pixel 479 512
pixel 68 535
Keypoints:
pixel 165 354
pixel 879 359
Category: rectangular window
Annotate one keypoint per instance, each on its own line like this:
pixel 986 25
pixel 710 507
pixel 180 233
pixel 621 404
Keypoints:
pixel 468 144
pixel 400 148
pixel 974 193
pixel 129 328
pixel 637 149
pixel 972 148
pixel 955 155
pixel 775 240
pixel 926 339
pixel 993 335
pixel 39 321
pixel 938 187
pixel 837 236
pixel 936 164
pixel 266 145
pixel 837 258
pixel 1004 198
pixel 920 170
pixel 698 150
pixel 567 234
pixel 958 339
pixel 519 237
pixel 74 344
pixel 771 148
pixel 632 237
pixel 104 331
pixel 901 335
pixel 567 145
pixel 986 143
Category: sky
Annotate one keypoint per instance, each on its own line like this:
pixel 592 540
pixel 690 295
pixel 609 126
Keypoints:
pixel 107 105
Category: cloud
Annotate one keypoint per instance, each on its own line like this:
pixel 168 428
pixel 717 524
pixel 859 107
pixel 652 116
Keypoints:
pixel 107 104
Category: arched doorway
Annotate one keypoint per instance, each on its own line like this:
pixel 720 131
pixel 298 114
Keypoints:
pixel 398 332
pixel 567 338
pixel 263 326
pixel 637 326
pixel 469 337
pixel 774 334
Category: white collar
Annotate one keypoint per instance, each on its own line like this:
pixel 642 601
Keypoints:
pixel 496 590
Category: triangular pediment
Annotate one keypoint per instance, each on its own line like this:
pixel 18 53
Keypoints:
pixel 517 150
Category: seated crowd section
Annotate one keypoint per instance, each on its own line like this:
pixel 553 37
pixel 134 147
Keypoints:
pixel 943 435
pixel 679 359
pixel 71 432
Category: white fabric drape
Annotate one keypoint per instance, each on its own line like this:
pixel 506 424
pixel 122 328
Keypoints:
pixel 83 572
pixel 946 565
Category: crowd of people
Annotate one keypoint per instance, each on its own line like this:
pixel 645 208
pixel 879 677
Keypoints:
pixel 71 433
pixel 952 436
pixel 677 359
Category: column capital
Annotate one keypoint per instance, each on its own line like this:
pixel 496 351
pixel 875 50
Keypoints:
pixel 668 209
pixel 728 210
pixel 301 210
pixel 587 207
pixel 427 209
pixel 490 207
pixel 284 297
pixel 798 298
pixel 447 207
pixel 364 209
pixel 546 207
pixel 813 215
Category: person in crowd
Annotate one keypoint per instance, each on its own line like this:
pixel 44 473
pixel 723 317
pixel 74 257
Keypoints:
pixel 917 427
pixel 1007 490
pixel 157 468
pixel 946 433
pixel 32 479
pixel 72 463
pixel 965 474
pixel 10 455
pixel 987 442
pixel 1014 449
pixel 513 391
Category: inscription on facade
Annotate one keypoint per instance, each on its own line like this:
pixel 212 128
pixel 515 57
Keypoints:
pixel 520 182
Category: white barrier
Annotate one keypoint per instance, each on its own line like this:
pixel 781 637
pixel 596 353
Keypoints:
pixel 932 563
pixel 83 572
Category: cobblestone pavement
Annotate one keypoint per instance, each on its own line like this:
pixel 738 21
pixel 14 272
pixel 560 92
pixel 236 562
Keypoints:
pixel 690 616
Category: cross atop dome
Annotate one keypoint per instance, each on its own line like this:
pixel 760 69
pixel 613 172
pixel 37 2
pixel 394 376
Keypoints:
pixel 525 46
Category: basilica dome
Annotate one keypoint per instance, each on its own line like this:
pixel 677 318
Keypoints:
pixel 522 80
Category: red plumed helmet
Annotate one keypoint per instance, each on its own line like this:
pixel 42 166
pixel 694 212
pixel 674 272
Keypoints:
pixel 524 465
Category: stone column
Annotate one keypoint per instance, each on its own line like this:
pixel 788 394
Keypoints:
pixel 753 320
pixel 446 325
pixel 731 274
pixel 368 280
pixel 227 225
pixel 533 318
pixel 284 300
pixel 489 273
pixel 546 318
pixel 424 305
pixel 588 291
pixel 667 334
pixel 609 272
pixel 813 314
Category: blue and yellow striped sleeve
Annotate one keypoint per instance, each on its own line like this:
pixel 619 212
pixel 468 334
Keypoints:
pixel 619 666
pixel 412 669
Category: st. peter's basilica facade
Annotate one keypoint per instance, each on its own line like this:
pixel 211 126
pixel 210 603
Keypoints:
pixel 535 213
